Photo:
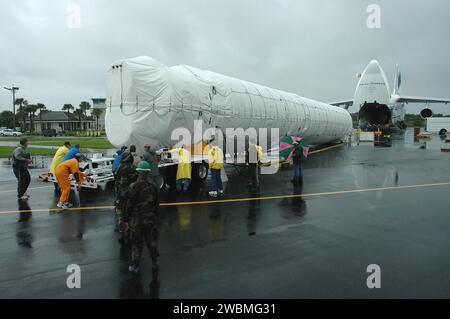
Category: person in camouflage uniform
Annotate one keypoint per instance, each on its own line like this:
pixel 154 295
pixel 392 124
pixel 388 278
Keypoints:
pixel 143 217
pixel 124 176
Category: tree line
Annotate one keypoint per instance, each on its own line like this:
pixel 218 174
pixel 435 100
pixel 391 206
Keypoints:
pixel 81 112
pixel 27 112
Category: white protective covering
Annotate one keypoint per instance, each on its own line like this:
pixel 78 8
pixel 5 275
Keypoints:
pixel 147 100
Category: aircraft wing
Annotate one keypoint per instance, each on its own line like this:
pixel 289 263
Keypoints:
pixel 418 99
pixel 344 104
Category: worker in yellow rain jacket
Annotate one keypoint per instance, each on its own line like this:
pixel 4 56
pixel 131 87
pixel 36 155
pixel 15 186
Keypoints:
pixel 63 172
pixel 59 155
pixel 259 153
pixel 215 162
pixel 184 168
pixel 58 159
pixel 253 159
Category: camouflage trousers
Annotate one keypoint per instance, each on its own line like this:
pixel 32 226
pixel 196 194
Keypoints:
pixel 121 225
pixel 140 235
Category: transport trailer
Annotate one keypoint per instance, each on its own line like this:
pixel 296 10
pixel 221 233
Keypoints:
pixel 98 174
pixel 168 164
pixel 150 103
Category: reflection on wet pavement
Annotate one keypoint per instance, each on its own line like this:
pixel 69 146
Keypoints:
pixel 24 228
pixel 298 203
pixel 254 212
pixel 300 246
pixel 132 286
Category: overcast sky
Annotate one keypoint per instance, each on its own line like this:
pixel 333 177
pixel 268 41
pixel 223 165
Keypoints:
pixel 313 47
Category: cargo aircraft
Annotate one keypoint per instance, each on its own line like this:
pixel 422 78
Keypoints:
pixel 377 106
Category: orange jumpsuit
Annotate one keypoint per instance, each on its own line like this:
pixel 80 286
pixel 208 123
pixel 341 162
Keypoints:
pixel 62 173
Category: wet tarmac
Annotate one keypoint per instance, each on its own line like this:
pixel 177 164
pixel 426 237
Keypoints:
pixel 362 205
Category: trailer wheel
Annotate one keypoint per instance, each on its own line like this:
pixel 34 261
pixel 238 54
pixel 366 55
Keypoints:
pixel 159 181
pixel 200 171
pixel 443 132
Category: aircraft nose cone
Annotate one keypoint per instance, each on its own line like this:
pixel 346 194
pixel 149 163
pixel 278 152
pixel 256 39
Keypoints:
pixel 373 67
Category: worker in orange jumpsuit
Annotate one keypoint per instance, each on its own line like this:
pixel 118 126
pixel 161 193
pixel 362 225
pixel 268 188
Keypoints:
pixel 62 173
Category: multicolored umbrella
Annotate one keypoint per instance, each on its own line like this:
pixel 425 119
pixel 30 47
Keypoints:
pixel 286 147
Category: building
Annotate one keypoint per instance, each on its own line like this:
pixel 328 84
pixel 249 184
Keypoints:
pixel 100 103
pixel 62 121
pixel 101 121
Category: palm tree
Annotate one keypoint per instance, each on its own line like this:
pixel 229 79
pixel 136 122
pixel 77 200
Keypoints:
pixel 42 109
pixel 22 105
pixel 68 108
pixel 20 102
pixel 97 113
pixel 85 106
pixel 79 114
pixel 31 110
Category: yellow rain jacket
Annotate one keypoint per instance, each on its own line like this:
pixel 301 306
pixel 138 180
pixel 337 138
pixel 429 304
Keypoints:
pixel 59 156
pixel 259 152
pixel 184 163
pixel 215 158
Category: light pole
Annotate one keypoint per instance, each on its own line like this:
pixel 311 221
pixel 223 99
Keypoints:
pixel 13 89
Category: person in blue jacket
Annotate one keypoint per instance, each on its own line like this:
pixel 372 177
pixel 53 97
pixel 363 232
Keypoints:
pixel 74 150
pixel 118 158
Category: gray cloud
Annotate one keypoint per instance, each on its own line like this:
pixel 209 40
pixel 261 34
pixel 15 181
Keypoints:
pixel 313 48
